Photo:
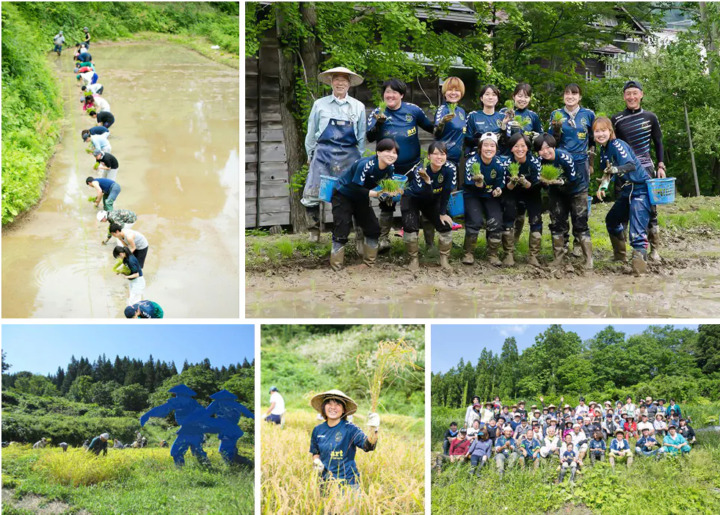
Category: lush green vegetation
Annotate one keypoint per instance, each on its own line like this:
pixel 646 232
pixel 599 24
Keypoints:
pixel 660 362
pixel 31 99
pixel 303 360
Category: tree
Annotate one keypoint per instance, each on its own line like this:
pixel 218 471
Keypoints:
pixel 708 348
pixel 35 385
pixel 5 364
pixel 81 389
pixel 508 369
pixel 102 393
pixel 242 385
pixel 133 397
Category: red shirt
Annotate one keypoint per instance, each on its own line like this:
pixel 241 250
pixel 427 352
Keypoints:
pixel 459 447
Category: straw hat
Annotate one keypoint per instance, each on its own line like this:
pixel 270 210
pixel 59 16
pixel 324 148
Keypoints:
pixel 326 76
pixel 317 401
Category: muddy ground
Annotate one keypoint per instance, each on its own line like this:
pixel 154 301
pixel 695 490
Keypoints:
pixel 685 285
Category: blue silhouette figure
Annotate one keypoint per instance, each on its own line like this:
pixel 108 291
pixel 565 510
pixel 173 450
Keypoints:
pixel 226 408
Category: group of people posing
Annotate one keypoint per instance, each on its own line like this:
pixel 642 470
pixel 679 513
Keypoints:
pixel 566 436
pixel 501 159
pixel 132 246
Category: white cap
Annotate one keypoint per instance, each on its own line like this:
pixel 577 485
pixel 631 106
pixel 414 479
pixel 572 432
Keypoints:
pixel 105 436
pixel 101 215
pixel 489 135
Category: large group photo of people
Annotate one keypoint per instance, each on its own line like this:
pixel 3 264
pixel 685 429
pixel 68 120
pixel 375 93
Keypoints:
pixel 131 246
pixel 565 438
pixel 502 159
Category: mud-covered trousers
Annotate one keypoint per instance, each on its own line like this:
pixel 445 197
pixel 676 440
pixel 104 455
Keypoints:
pixel 636 210
pixel 481 211
pixel 575 206
pixel 411 207
pixel 517 202
pixel 343 210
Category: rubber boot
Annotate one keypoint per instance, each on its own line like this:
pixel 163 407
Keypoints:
pixel 508 243
pixel 385 220
pixel 314 235
pixel 573 471
pixel 639 266
pixel 369 253
pixel 534 248
pixel 312 215
pixel 359 239
pixel 493 246
pixel 337 258
pixel 562 474
pixel 586 245
pixel 469 245
pixel 411 244
pixel 429 233
pixel 444 246
pixel 577 250
pixel 618 245
pixel 559 250
pixel 519 224
pixel 654 239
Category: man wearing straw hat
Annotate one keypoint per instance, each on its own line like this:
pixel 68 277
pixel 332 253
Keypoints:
pixel 335 138
pixel 333 443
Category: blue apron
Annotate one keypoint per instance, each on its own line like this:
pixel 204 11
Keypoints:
pixel 335 152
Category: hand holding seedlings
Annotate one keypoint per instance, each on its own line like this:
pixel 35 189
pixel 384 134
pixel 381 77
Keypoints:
pixel 447 118
pixel 477 176
pixel 510 110
pixel 380 115
pixel 424 175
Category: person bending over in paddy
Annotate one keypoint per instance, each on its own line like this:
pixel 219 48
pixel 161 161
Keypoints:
pixel 333 443
pixel 122 217
pixel 98 129
pixel 136 280
pixel 96 88
pixel 107 191
pixel 104 118
pixel 135 241
pixel 99 142
pixel 144 309
pixel 99 444
pixel 108 163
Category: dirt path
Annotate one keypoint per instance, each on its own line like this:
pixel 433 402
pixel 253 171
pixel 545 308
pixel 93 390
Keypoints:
pixel 36 504
pixel 680 288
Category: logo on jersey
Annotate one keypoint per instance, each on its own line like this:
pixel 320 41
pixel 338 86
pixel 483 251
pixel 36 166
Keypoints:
pixel 412 131
pixel 493 174
pixel 461 115
pixel 441 178
pixel 338 438
pixel 408 118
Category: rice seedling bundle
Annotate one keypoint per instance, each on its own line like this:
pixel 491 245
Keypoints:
pixel 96 165
pixel 510 105
pixel 549 172
pixel 91 198
pixel 476 172
pixel 389 185
pixel 558 117
pixel 451 108
pixel 514 170
pixel 121 267
pixel 382 106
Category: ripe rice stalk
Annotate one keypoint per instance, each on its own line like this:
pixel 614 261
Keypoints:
pixel 391 358
pixel 549 172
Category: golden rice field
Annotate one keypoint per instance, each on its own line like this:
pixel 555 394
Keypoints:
pixel 392 476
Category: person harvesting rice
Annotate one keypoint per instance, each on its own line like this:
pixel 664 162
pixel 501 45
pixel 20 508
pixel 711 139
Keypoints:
pixel 333 443
pixel 632 204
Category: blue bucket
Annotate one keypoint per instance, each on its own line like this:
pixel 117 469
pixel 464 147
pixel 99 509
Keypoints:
pixel 456 204
pixel 328 184
pixel 589 205
pixel 661 191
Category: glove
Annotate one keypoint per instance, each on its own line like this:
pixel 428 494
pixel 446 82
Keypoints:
pixel 373 420
pixel 318 465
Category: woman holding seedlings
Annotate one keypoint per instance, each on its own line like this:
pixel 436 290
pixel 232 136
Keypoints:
pixel 484 182
pixel 568 196
pixel 428 192
pixel 335 138
pixel 399 121
pixel 633 204
pixel 522 186
pixel 137 281
pixel 333 443
pixel 487 119
pixel 355 188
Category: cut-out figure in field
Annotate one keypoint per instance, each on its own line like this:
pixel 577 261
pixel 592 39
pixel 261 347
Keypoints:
pixel 226 409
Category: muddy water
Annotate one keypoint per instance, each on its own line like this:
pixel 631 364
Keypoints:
pixel 687 293
pixel 176 139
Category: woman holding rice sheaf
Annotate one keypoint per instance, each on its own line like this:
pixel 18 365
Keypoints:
pixel 334 442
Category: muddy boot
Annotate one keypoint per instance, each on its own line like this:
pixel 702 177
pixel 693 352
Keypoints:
pixel 359 239
pixel 469 245
pixel 562 474
pixel 370 251
pixel 654 239
pixel 337 256
pixel 639 265
pixel 411 244
pixel 534 248
pixel 586 246
pixel 577 250
pixel 574 470
pixel 493 245
pixel 385 220
pixel 618 245
pixel 314 235
pixel 519 224
pixel 508 243
pixel 428 233
pixel 559 250
pixel 312 215
pixel 444 246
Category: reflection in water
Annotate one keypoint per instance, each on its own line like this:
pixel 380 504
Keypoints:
pixel 177 121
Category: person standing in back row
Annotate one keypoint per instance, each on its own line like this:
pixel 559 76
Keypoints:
pixel 638 128
pixel 276 411
pixel 59 41
pixel 86 30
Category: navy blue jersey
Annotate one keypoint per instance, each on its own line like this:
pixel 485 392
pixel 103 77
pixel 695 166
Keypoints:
pixel 535 124
pixel 597 444
pixel 133 264
pixel 618 153
pixel 105 184
pixel 454 131
pixel 530 169
pixel 442 183
pixel 479 123
pixel 644 441
pixel 493 176
pixel 575 140
pixel 148 309
pixel 363 176
pixel 574 181
pixel 98 129
pixel 402 126
pixel 531 445
pixel 637 128
pixel 336 447
pixel 500 442
pixel 568 456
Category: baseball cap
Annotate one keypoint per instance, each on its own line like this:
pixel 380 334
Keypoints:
pixel 632 84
